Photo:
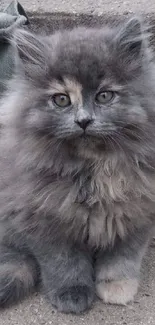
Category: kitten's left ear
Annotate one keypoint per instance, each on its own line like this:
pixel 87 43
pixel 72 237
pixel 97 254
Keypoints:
pixel 31 54
pixel 131 37
pixel 30 48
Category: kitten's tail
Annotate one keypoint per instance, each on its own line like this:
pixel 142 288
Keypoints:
pixel 18 276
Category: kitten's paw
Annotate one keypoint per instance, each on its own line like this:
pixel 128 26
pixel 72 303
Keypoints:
pixel 117 292
pixel 75 299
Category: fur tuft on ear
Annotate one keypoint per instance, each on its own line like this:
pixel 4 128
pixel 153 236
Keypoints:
pixel 132 36
pixel 29 47
pixel 30 54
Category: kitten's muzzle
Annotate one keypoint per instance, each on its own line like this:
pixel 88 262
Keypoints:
pixel 83 124
pixel 83 118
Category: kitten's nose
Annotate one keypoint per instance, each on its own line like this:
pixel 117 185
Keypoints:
pixel 83 123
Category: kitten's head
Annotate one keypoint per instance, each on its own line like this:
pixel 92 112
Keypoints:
pixel 88 87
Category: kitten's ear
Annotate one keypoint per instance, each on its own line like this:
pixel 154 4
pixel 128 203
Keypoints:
pixel 130 38
pixel 30 48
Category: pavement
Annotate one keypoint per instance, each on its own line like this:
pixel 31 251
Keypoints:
pixel 36 310
pixel 46 16
pixel 49 15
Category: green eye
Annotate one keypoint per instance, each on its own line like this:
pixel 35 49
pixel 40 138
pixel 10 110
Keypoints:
pixel 104 97
pixel 61 100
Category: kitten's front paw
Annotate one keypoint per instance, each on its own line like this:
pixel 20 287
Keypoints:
pixel 117 292
pixel 75 299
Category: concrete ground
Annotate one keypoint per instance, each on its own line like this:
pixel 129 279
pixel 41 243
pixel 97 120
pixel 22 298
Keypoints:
pixel 46 16
pixel 36 310
pixel 87 6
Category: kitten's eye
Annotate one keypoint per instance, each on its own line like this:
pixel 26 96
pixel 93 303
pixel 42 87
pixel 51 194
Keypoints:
pixel 104 97
pixel 61 100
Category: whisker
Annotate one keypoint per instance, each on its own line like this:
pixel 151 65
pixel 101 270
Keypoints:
pixel 115 140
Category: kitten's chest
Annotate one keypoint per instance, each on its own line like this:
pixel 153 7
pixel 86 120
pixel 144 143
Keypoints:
pixel 104 195
pixel 99 187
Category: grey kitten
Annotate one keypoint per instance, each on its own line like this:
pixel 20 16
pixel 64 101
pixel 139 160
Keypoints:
pixel 77 161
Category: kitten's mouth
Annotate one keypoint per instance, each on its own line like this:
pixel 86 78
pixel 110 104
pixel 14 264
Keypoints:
pixel 90 140
pixel 89 146
pixel 95 137
pixel 84 136
pixel 87 137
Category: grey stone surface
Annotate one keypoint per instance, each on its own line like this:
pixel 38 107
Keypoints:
pixel 36 310
pixel 88 6
pixel 48 15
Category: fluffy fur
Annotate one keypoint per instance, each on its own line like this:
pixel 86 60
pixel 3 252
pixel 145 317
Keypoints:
pixel 77 206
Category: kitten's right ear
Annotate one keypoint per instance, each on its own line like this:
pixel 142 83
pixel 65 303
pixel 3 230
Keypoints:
pixel 130 35
pixel 132 38
pixel 30 48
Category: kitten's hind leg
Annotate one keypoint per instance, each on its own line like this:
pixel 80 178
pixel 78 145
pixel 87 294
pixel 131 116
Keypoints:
pixel 118 269
pixel 18 275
